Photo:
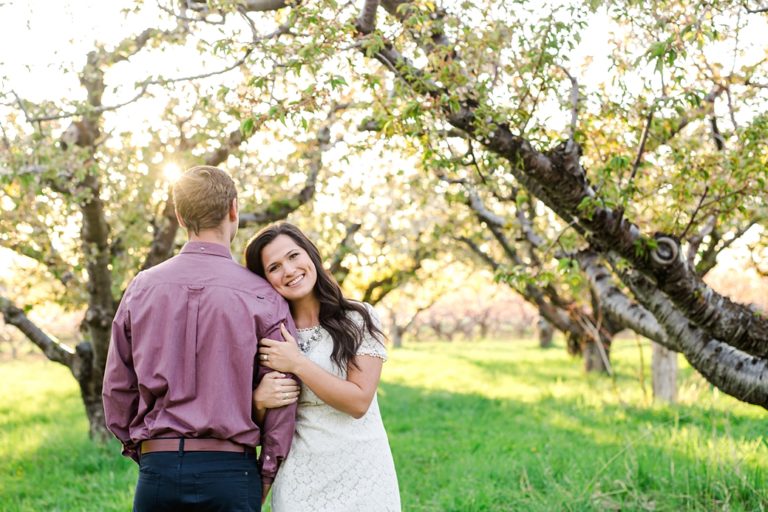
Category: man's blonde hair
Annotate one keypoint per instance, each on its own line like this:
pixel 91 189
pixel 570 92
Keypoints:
pixel 203 196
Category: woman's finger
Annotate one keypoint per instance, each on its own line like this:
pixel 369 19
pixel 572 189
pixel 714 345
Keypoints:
pixel 286 335
pixel 287 396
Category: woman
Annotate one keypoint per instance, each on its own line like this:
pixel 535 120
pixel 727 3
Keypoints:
pixel 340 458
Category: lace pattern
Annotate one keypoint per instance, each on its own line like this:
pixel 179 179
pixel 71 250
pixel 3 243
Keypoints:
pixel 337 463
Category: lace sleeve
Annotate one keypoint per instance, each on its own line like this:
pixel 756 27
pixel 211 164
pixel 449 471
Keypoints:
pixel 372 345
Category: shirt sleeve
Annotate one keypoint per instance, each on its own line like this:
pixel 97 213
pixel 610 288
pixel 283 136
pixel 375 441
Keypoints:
pixel 120 392
pixel 279 423
pixel 372 345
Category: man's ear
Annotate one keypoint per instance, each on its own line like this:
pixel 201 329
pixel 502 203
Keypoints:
pixel 179 219
pixel 233 211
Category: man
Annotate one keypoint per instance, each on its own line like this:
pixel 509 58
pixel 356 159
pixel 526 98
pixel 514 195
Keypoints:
pixel 180 368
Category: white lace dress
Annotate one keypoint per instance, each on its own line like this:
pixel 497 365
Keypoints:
pixel 336 463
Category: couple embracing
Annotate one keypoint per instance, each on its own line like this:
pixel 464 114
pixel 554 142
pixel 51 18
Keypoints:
pixel 210 359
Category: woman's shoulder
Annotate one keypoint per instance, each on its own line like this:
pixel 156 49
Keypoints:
pixel 356 316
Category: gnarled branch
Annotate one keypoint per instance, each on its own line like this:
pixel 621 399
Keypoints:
pixel 53 349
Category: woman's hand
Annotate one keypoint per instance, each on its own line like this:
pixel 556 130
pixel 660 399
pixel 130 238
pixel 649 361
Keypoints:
pixel 279 355
pixel 275 390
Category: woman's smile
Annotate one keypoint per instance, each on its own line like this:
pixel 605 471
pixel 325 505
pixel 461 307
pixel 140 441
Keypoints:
pixel 288 268
pixel 295 280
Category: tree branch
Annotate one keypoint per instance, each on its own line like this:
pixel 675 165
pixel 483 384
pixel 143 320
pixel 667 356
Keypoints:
pixel 555 314
pixel 695 212
pixel 527 228
pixel 92 75
pixel 380 288
pixel 53 349
pixel 709 257
pixel 247 5
pixel 366 22
pixel 560 175
pixel 631 314
pixel 756 11
pixel 487 258
pixel 344 248
pixel 165 233
pixel 736 373
pixel 695 241
pixel 280 209
pixel 574 103
pixel 46 255
pixel 641 148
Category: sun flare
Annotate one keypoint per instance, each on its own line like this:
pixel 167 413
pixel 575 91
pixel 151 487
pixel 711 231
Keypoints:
pixel 171 172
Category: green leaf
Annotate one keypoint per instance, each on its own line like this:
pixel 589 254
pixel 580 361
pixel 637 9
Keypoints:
pixel 246 127
pixel 336 81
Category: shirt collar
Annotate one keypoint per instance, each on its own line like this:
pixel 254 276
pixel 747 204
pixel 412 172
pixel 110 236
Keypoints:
pixel 206 248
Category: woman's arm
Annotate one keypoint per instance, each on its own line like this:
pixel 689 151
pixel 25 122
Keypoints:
pixel 352 396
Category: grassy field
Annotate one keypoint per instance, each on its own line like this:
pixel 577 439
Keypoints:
pixel 485 426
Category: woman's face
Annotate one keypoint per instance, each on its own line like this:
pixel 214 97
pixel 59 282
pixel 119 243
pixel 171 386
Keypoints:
pixel 288 268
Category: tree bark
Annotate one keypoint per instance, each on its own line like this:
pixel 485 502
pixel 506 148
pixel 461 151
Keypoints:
pixel 664 374
pixel 558 179
pixel 627 312
pixel 165 234
pixel 53 349
pixel 345 247
pixel 80 362
pixel 595 359
pixel 546 333
pixel 397 336
pixel 734 372
pixel 280 209
pixel 88 359
pixel 101 306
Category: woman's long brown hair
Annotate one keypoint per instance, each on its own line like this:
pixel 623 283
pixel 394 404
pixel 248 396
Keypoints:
pixel 347 334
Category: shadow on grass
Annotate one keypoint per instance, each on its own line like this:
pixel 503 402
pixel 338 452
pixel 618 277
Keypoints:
pixel 679 415
pixel 454 452
pixel 557 455
pixel 558 370
pixel 47 461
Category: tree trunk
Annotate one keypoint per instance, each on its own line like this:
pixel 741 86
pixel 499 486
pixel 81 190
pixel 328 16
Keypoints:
pixel 81 361
pixel 596 358
pixel 94 409
pixel 546 332
pixel 90 376
pixel 397 336
pixel 664 374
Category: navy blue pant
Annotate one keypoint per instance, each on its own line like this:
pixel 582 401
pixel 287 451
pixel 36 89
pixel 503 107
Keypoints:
pixel 198 481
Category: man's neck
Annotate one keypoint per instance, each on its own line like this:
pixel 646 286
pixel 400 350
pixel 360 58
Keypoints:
pixel 211 236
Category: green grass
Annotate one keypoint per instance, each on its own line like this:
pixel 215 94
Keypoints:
pixel 473 426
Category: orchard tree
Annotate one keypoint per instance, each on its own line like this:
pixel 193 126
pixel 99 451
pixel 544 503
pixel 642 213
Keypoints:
pixel 91 204
pixel 603 202
pixel 86 188
pixel 651 171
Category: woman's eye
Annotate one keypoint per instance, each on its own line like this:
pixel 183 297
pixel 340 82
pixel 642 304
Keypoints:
pixel 293 255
